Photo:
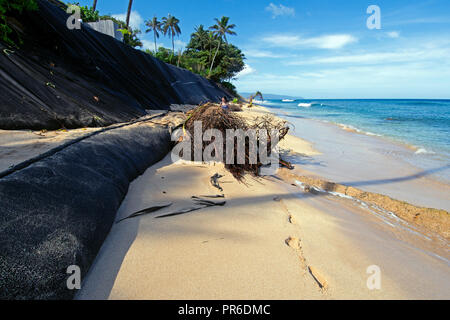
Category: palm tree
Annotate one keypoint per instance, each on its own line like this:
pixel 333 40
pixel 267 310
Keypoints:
pixel 130 4
pixel 155 26
pixel 220 30
pixel 200 36
pixel 211 43
pixel 94 6
pixel 170 26
pixel 257 94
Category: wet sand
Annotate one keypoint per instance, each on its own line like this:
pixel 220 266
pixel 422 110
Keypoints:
pixel 369 163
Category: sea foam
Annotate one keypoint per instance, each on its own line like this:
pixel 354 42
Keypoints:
pixel 423 151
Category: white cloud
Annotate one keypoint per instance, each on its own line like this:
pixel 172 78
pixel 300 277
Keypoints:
pixel 147 44
pixel 333 41
pixel 393 34
pixel 255 53
pixel 136 20
pixel 433 20
pixel 280 10
pixel 399 56
pixel 417 68
pixel 246 71
pixel 313 75
pixel 180 45
pixel 150 44
pixel 357 82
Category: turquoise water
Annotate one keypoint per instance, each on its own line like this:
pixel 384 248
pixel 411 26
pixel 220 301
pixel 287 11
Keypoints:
pixel 423 124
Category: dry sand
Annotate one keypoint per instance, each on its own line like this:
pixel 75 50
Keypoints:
pixel 271 240
pixel 17 146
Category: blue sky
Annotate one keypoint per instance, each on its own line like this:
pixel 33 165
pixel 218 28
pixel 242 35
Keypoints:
pixel 321 49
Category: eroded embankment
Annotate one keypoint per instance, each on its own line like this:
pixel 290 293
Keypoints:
pixel 56 212
pixel 435 220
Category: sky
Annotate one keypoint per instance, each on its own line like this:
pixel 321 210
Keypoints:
pixel 317 48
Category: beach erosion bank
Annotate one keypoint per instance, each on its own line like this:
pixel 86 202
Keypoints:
pixel 276 237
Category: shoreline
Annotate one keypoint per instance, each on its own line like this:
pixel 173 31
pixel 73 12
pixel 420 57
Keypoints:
pixel 272 240
pixel 423 156
pixel 433 218
pixel 381 159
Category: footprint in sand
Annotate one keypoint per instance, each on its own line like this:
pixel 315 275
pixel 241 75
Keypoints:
pixel 320 279
pixel 293 242
pixel 292 219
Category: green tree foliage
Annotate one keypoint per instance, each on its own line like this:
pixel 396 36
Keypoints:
pixel 171 27
pixel 8 7
pixel 130 37
pixel 220 30
pixel 208 54
pixel 224 64
pixel 154 26
pixel 88 14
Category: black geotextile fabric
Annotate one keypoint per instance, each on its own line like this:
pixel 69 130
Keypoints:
pixel 58 211
pixel 77 78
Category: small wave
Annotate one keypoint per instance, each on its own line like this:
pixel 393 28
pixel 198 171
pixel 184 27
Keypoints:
pixel 305 105
pixel 423 151
pixel 350 128
pixel 262 102
pixel 287 100
pixel 373 134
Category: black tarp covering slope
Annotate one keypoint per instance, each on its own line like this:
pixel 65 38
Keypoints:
pixel 58 211
pixel 76 78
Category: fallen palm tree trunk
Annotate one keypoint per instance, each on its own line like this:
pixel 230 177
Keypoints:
pixel 213 117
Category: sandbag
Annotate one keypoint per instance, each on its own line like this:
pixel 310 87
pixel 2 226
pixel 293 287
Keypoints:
pixel 57 212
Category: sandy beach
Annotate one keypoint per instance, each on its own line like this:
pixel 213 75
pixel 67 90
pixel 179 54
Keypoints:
pixel 275 237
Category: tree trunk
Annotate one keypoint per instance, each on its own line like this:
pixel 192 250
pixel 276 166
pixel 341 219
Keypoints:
pixel 130 4
pixel 154 34
pixel 95 5
pixel 173 44
pixel 209 56
pixel 215 55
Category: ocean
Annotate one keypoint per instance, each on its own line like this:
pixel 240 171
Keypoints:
pixel 421 125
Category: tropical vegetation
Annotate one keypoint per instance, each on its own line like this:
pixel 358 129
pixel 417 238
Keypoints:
pixel 171 27
pixel 154 26
pixel 208 53
pixel 11 6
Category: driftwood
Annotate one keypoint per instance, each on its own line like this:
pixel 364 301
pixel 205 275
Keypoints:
pixel 214 117
pixel 146 211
